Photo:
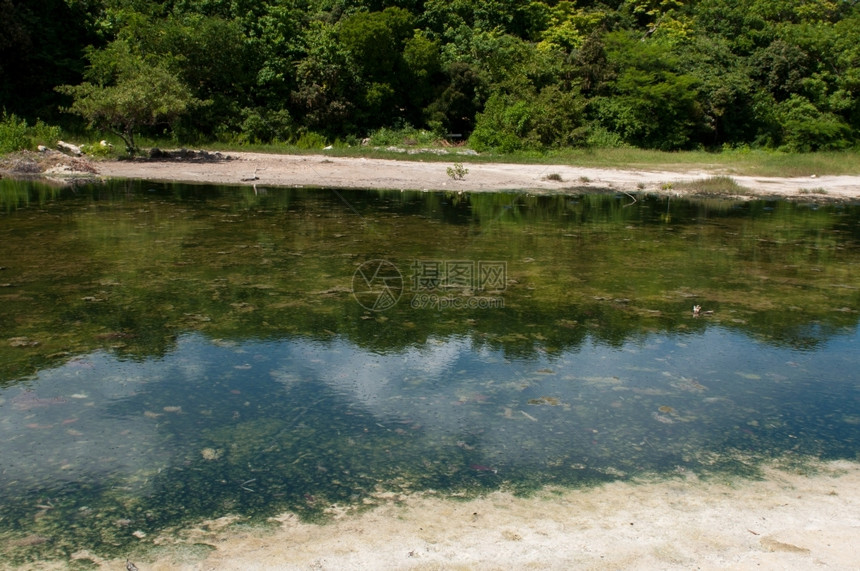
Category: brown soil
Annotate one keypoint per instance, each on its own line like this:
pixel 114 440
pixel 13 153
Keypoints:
pixel 46 164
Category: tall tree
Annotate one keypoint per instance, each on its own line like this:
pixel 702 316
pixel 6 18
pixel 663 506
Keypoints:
pixel 651 103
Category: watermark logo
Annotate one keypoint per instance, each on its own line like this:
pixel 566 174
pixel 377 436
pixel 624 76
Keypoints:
pixel 377 285
pixel 431 275
pixel 435 284
pixel 442 302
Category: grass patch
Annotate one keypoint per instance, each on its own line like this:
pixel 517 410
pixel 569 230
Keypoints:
pixel 720 184
pixel 458 171
pixel 726 163
pixel 426 146
pixel 403 137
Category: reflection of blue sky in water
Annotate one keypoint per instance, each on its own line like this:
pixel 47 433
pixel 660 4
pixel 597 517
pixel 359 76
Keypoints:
pixel 65 426
pixel 657 401
pixel 523 411
pixel 58 427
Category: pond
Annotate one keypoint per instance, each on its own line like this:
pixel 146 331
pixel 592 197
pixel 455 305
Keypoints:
pixel 171 353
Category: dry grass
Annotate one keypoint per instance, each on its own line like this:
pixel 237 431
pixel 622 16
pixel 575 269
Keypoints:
pixel 715 185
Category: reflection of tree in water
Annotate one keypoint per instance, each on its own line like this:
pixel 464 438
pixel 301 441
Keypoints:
pixel 145 262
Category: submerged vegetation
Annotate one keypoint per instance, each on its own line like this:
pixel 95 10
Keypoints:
pixel 582 254
pixel 186 352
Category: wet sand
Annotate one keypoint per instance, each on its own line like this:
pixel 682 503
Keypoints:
pixel 784 521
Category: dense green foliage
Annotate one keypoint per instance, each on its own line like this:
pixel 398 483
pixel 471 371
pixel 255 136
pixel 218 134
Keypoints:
pixel 16 134
pixel 128 93
pixel 519 74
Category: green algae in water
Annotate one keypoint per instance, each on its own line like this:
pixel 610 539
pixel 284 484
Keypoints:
pixel 198 353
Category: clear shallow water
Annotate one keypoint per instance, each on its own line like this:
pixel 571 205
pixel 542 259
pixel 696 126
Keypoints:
pixel 187 352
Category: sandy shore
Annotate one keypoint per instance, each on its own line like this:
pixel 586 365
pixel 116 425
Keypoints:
pixel 336 172
pixel 785 521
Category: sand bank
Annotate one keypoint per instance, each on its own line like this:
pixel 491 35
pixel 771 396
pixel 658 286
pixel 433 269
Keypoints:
pixel 338 172
pixel 784 521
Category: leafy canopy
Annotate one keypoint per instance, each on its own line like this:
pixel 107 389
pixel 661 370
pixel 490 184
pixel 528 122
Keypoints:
pixel 125 92
pixel 510 74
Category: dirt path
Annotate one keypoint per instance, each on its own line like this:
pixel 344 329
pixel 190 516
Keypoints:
pixel 338 172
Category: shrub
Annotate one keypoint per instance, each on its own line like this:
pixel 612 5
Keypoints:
pixel 547 119
pixel 265 126
pixel 44 134
pixel 404 135
pixel 502 126
pixel 806 128
pixel 16 135
pixel 310 140
pixel 98 150
pixel 13 134
pixel 601 138
pixel 458 171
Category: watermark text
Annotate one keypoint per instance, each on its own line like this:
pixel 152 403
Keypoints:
pixel 435 284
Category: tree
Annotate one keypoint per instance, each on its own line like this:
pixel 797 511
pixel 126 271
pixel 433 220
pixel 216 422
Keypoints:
pixel 650 103
pixel 727 93
pixel 375 42
pixel 126 93
pixel 212 57
pixel 665 74
pixel 454 110
pixel 806 128
pixel 423 71
pixel 327 83
pixel 535 120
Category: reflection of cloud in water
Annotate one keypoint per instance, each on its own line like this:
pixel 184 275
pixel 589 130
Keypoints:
pixel 455 391
pixel 374 379
pixel 63 425
pixel 97 416
pixel 596 400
